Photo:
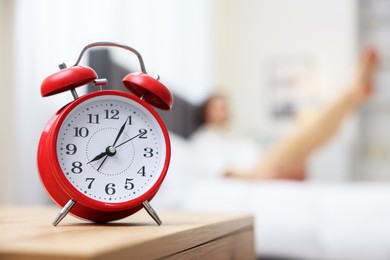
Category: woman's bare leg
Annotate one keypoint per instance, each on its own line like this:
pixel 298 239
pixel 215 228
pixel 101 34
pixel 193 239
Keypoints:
pixel 288 158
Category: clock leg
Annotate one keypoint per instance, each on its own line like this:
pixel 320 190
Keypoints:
pixel 151 212
pixel 64 211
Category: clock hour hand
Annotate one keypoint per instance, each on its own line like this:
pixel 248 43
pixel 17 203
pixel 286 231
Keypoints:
pixel 110 151
pixel 98 157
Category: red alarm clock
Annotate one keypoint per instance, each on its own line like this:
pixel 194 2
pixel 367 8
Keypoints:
pixel 104 155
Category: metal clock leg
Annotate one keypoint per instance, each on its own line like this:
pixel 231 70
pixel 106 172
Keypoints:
pixel 151 212
pixel 64 211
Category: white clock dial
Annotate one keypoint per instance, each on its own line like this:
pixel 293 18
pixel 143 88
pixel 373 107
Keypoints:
pixel 111 148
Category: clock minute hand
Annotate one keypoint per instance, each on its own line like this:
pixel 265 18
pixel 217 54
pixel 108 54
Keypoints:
pixel 120 132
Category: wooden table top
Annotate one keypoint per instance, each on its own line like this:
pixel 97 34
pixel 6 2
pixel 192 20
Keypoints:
pixel 27 232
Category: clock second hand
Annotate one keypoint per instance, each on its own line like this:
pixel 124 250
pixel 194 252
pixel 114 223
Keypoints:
pixel 102 163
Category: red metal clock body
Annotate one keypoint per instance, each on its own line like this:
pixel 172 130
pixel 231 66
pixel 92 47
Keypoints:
pixel 104 155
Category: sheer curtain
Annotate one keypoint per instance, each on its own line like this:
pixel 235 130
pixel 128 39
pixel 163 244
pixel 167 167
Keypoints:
pixel 6 87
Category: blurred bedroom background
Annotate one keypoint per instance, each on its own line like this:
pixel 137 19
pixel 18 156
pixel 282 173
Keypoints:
pixel 276 60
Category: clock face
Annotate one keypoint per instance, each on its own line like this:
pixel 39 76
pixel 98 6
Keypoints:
pixel 111 148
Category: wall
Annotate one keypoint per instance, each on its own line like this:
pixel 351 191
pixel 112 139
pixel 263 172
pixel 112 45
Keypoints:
pixel 251 35
pixel 7 87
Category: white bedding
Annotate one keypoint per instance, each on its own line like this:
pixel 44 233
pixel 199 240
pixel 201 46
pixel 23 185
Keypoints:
pixel 300 220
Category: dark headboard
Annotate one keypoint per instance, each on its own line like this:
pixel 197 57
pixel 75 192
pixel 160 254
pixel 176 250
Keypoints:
pixel 184 117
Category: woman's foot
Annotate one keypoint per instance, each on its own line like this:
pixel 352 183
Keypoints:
pixel 363 86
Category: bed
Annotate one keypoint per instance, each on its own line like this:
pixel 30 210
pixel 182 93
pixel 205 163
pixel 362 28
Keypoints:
pixel 293 220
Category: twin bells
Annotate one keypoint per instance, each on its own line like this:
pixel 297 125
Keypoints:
pixel 140 84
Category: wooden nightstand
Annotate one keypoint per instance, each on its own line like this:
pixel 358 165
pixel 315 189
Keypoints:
pixel 27 233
